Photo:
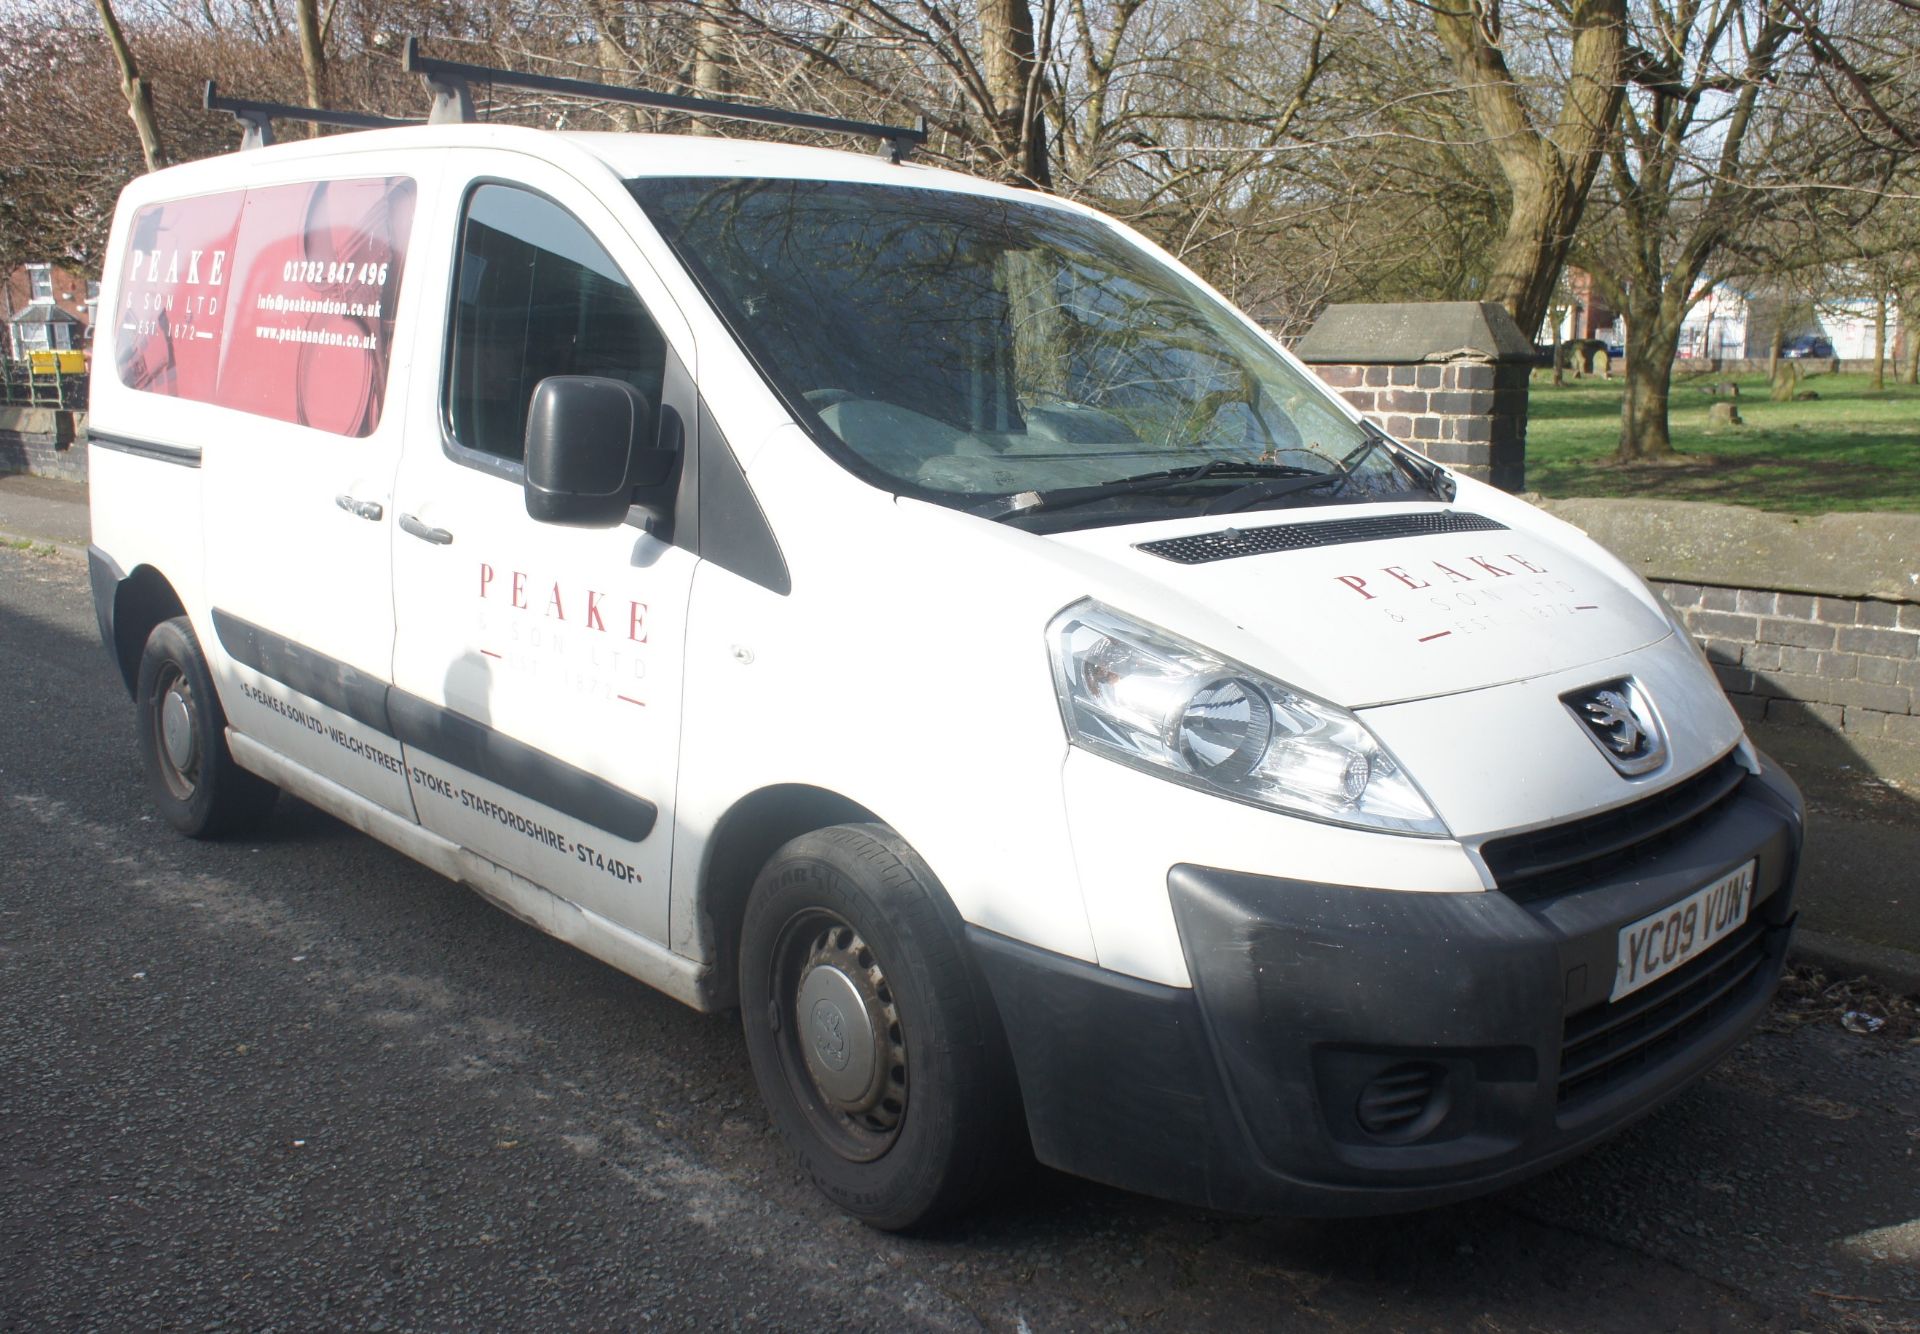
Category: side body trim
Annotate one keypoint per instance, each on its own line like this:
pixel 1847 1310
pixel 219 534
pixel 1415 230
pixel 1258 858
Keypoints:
pixel 511 763
pixel 342 688
pixel 437 730
pixel 179 455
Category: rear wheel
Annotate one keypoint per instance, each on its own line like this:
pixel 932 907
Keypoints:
pixel 873 1041
pixel 183 741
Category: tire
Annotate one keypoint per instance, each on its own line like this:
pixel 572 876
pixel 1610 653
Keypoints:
pixel 183 741
pixel 891 1081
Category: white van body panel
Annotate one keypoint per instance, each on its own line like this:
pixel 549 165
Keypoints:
pixel 142 513
pixel 868 680
pixel 344 596
pixel 121 488
pixel 1130 829
pixel 1209 986
pixel 1504 760
pixel 1051 871
pixel 968 720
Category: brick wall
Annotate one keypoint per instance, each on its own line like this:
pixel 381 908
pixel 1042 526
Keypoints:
pixel 1469 415
pixel 43 442
pixel 1849 665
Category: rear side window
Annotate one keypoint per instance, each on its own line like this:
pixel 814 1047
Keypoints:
pixel 278 301
pixel 536 295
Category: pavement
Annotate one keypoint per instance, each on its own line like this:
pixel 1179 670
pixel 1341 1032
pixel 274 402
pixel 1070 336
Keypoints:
pixel 43 510
pixel 295 1080
pixel 1859 882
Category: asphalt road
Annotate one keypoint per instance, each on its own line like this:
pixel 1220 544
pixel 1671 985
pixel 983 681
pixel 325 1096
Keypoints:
pixel 300 1082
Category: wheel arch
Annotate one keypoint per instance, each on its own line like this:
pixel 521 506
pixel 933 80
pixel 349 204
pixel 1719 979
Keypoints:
pixel 140 601
pixel 743 841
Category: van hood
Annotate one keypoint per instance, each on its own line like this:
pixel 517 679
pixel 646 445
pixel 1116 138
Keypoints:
pixel 1364 607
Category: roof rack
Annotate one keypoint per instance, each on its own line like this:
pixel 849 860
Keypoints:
pixel 256 118
pixel 452 82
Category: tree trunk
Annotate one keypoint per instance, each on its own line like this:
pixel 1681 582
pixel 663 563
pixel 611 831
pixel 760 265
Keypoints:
pixel 1643 406
pixel 1776 346
pixel 139 95
pixel 709 69
pixel 1548 175
pixel 1910 367
pixel 1533 247
pixel 313 54
pixel 1880 343
pixel 616 62
pixel 1011 68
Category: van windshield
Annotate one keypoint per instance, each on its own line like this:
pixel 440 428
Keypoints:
pixel 964 348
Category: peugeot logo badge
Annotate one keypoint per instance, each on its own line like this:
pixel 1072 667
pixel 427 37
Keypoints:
pixel 1619 719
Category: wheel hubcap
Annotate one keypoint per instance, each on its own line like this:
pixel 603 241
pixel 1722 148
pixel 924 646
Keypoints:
pixel 176 729
pixel 837 1038
pixel 844 1048
pixel 173 723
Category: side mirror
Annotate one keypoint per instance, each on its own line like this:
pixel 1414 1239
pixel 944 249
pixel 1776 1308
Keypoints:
pixel 590 444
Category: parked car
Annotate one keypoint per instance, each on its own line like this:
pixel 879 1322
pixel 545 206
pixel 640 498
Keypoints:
pixel 1807 345
pixel 925 616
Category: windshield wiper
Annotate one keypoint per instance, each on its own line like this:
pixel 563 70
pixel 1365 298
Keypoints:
pixel 1258 493
pixel 1429 474
pixel 1424 471
pixel 1066 497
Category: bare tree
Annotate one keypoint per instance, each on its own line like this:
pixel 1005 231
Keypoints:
pixel 1733 116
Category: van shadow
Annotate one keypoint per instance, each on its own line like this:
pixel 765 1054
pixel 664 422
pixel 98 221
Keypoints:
pixel 1783 1178
pixel 1857 874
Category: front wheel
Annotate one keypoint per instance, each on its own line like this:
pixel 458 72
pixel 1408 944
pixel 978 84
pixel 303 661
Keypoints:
pixel 183 741
pixel 873 1041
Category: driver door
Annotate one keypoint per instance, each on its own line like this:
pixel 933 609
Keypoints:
pixel 538 668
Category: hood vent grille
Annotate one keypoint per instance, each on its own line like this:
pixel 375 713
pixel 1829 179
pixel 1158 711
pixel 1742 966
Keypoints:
pixel 1203 548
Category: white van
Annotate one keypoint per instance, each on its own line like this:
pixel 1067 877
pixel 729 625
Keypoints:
pixel 923 615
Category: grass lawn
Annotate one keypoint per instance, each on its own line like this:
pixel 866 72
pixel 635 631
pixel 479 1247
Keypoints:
pixel 1852 449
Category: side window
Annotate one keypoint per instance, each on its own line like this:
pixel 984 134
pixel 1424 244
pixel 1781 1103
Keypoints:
pixel 536 296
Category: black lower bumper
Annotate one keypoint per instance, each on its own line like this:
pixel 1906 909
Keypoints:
pixel 1349 1051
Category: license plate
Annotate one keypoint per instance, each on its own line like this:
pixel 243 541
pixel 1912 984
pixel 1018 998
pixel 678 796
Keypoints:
pixel 1660 942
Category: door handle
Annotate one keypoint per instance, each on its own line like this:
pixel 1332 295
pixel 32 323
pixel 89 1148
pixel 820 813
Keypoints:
pixel 360 509
pixel 440 537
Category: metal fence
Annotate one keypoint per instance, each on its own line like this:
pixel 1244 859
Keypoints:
pixel 24 386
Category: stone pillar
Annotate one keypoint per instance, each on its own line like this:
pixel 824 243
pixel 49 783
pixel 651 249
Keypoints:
pixel 1448 378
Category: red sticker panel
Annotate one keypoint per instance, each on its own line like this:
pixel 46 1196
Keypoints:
pixel 277 301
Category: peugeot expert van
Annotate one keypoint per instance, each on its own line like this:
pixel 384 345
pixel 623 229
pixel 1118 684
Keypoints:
pixel 924 616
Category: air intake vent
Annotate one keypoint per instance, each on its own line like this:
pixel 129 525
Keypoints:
pixel 1402 1103
pixel 1201 548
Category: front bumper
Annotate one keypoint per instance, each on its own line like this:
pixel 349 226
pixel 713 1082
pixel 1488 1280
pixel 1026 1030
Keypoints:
pixel 1347 1051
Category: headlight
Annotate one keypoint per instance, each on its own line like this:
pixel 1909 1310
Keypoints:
pixel 1157 702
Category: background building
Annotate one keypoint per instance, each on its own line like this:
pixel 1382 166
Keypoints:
pixel 48 308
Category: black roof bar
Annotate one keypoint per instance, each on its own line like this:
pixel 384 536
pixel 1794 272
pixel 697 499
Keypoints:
pixel 256 118
pixel 452 82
